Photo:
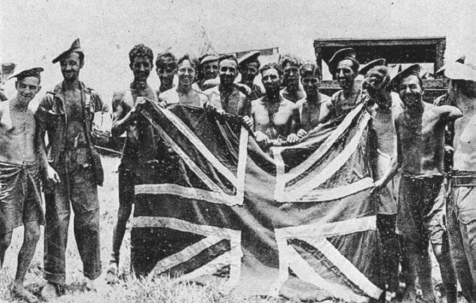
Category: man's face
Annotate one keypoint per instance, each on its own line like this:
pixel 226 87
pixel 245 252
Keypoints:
pixel 186 73
pixel 310 84
pixel 210 70
pixel 141 67
pixel 271 80
pixel 228 72
pixel 249 72
pixel 166 72
pixel 375 83
pixel 410 91
pixel 291 76
pixel 345 74
pixel 70 67
pixel 27 88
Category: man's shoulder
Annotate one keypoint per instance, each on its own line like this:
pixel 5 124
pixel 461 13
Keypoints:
pixel 211 91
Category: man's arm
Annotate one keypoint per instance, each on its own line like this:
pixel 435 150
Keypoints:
pixel 121 115
pixel 449 113
pixel 295 125
pixel 49 173
pixel 395 164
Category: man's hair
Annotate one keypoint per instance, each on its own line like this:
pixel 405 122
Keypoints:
pixel 140 50
pixel 189 59
pixel 230 57
pixel 310 69
pixel 272 65
pixel 291 60
pixel 164 58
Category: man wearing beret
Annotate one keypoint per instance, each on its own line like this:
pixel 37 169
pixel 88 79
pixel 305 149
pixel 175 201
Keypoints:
pixel 66 116
pixel 461 208
pixel 139 146
pixel 383 104
pixel 344 67
pixel 209 71
pixel 249 68
pixel 420 130
pixel 22 164
pixel 293 90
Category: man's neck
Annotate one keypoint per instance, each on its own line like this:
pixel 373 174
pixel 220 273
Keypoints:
pixel 383 100
pixel 352 91
pixel 18 105
pixel 184 89
pixel 292 89
pixel 164 88
pixel 417 109
pixel 71 85
pixel 273 97
pixel 225 88
pixel 247 83
pixel 140 85
pixel 313 98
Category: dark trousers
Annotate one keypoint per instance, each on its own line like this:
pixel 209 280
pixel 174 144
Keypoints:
pixel 386 225
pixel 78 190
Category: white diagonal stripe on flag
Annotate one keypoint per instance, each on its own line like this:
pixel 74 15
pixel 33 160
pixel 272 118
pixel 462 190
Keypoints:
pixel 338 192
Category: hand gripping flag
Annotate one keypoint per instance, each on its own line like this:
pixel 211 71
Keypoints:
pixel 298 221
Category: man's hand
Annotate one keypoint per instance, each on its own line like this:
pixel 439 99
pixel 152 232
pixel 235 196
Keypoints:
pixel 301 133
pixel 262 139
pixel 52 176
pixel 140 103
pixel 292 138
pixel 248 122
pixel 378 185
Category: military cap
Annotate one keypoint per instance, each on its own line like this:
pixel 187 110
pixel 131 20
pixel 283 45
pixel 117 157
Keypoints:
pixel 342 54
pixel 253 55
pixel 209 58
pixel 461 71
pixel 414 69
pixel 75 47
pixel 32 72
pixel 377 62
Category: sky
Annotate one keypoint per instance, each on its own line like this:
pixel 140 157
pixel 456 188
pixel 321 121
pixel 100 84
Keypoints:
pixel 35 31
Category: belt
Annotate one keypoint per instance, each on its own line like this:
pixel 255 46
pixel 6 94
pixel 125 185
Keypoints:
pixel 463 178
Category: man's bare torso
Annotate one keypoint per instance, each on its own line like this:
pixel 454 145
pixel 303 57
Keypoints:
pixel 17 134
pixel 274 119
pixel 421 141
pixel 465 138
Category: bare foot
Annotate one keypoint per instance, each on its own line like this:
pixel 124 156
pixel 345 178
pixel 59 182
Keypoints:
pixel 19 292
pixel 49 291
pixel 112 272
pixel 90 285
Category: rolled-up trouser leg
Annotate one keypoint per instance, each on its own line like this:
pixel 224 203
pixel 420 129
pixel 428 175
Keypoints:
pixel 84 198
pixel 461 213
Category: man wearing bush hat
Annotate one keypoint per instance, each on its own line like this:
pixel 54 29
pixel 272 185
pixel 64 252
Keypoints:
pixel 461 207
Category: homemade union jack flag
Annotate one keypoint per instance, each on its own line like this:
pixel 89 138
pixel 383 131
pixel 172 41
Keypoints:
pixel 298 221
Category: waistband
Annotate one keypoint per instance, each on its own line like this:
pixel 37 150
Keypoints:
pixel 463 178
pixel 421 177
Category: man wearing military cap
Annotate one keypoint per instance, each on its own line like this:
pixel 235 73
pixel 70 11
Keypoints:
pixel 461 209
pixel 66 115
pixel 420 131
pixel 209 71
pixel 344 67
pixel 22 166
pixel 249 68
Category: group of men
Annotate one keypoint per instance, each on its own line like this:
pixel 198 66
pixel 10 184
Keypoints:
pixel 418 201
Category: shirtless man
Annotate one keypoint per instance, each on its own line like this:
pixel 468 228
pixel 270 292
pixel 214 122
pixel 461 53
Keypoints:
pixel 184 94
pixel 226 96
pixel 139 144
pixel 272 115
pixel 313 107
pixel 166 67
pixel 461 208
pixel 249 68
pixel 383 105
pixel 344 67
pixel 66 115
pixel 420 130
pixel 22 160
pixel 293 90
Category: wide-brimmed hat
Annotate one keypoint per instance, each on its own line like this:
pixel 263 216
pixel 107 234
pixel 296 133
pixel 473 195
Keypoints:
pixel 32 72
pixel 342 54
pixel 414 69
pixel 460 70
pixel 377 62
pixel 75 47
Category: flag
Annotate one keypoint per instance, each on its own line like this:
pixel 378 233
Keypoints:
pixel 297 221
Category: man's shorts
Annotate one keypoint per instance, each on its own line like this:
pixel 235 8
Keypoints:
pixel 420 216
pixel 20 198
